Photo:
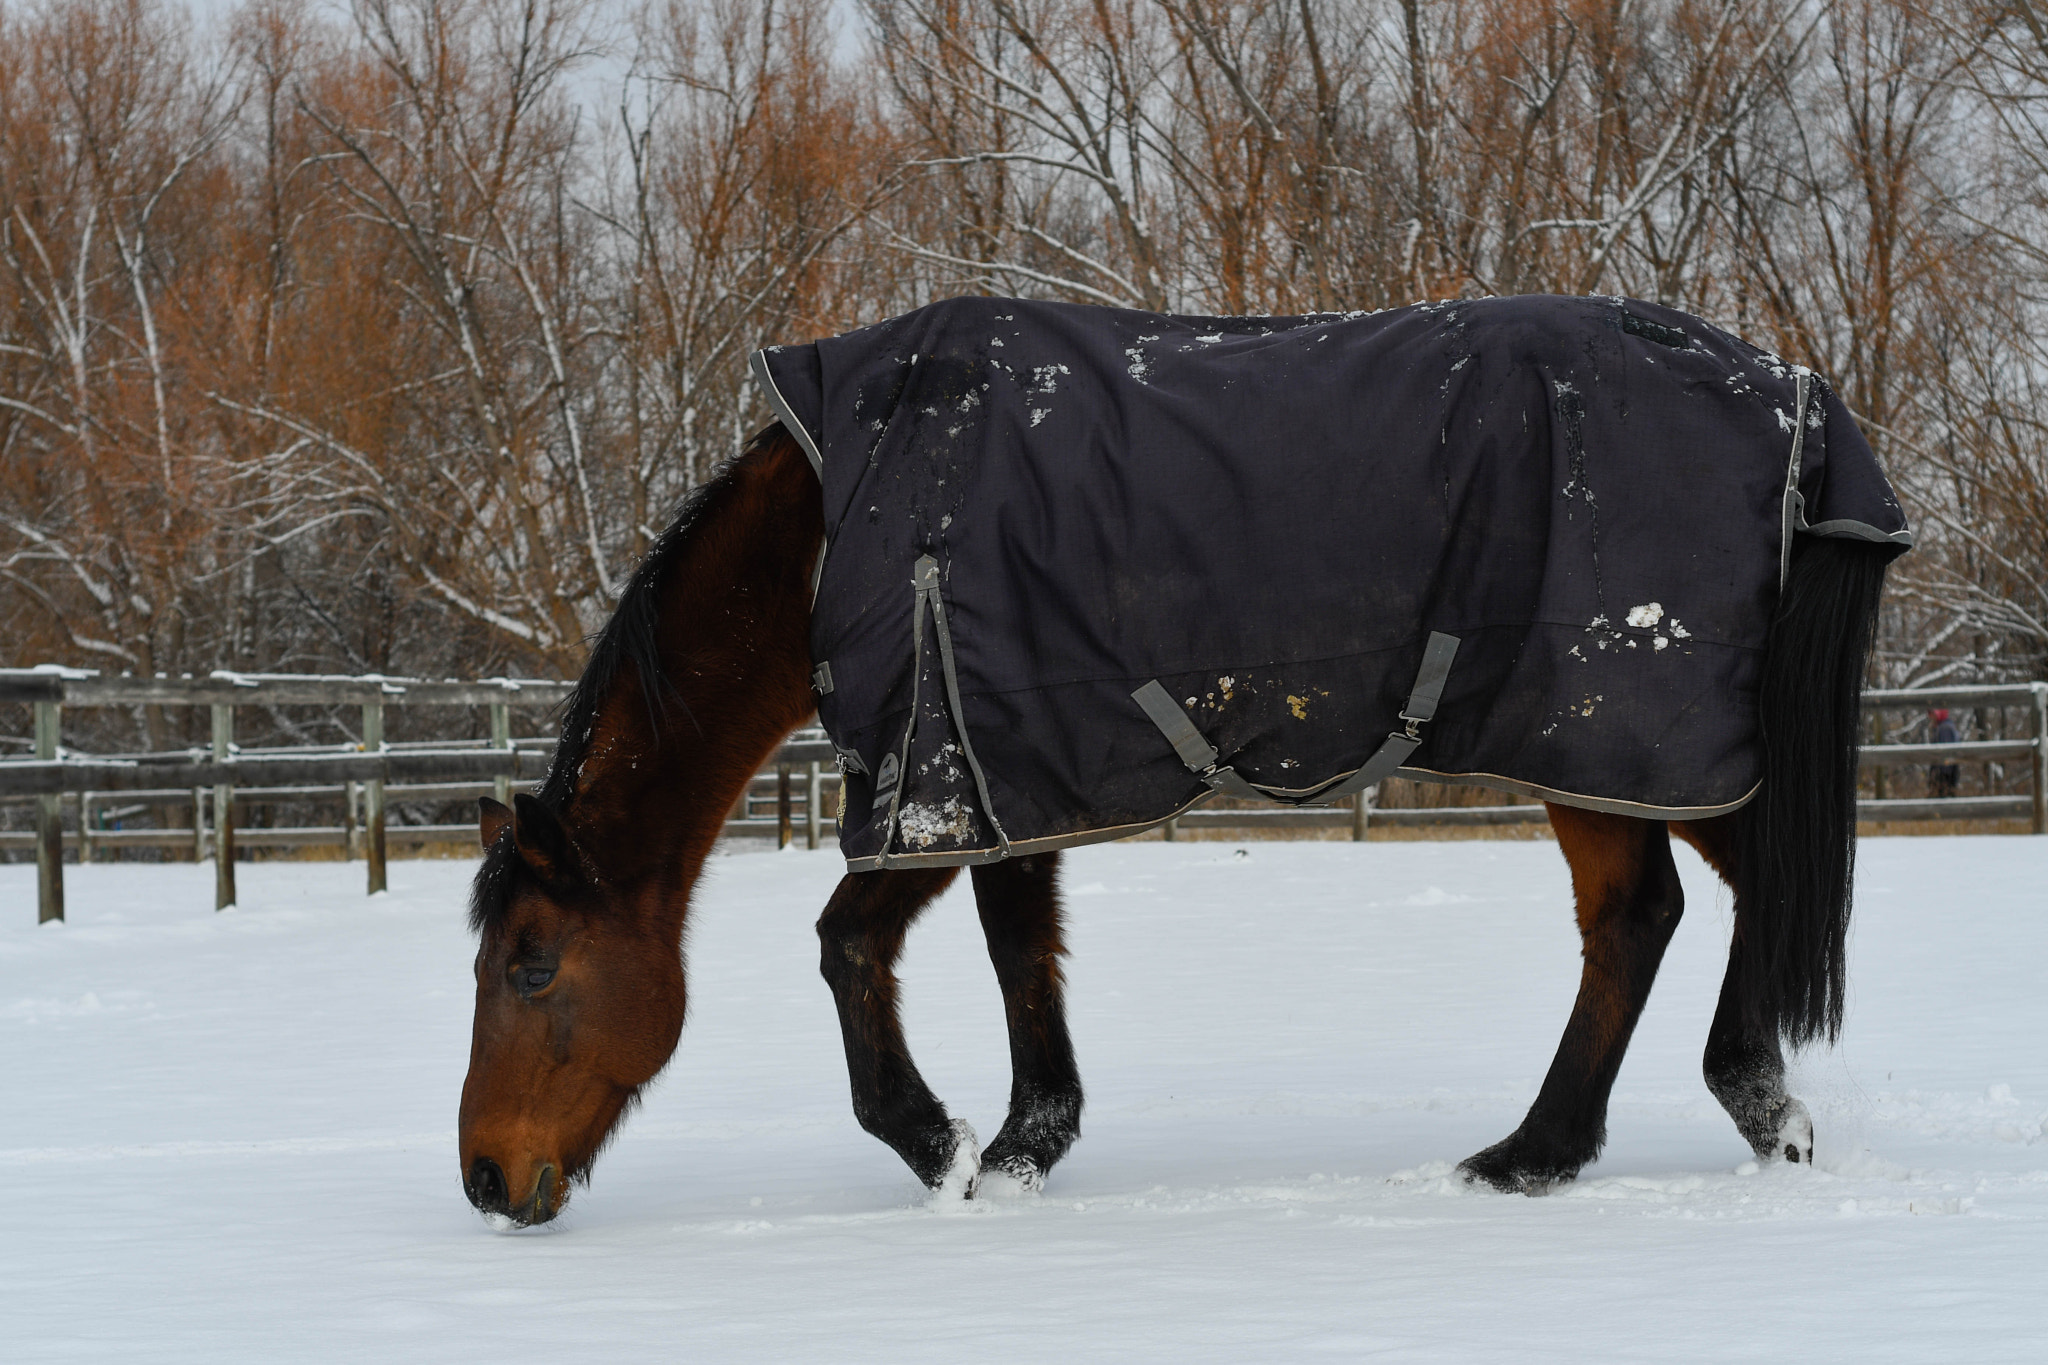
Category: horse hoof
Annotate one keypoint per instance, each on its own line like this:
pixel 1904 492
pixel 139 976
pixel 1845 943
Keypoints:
pixel 1795 1136
pixel 1009 1178
pixel 1508 1181
pixel 1507 1167
pixel 956 1183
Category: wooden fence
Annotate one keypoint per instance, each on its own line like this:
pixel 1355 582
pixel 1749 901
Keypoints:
pixel 798 784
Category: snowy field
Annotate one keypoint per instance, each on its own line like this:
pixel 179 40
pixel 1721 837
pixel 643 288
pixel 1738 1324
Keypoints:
pixel 231 1137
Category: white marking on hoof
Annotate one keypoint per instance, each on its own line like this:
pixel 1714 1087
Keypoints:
pixel 956 1186
pixel 1795 1135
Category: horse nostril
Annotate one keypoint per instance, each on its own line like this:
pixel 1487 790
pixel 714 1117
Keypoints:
pixel 486 1187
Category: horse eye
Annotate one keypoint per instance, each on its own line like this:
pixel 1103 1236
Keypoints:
pixel 533 978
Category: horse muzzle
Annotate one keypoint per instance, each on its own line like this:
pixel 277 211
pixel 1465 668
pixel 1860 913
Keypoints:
pixel 545 1192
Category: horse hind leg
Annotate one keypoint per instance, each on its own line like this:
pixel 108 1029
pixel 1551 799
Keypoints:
pixel 860 936
pixel 1744 1064
pixel 1018 900
pixel 1629 903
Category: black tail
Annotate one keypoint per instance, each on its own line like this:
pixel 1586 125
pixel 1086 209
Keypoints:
pixel 1797 838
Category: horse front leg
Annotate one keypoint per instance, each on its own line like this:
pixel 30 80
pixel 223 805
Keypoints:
pixel 1018 900
pixel 860 936
pixel 1629 902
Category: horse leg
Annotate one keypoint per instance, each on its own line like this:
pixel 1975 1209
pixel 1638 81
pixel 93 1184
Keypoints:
pixel 1629 902
pixel 860 935
pixel 1020 914
pixel 1744 1065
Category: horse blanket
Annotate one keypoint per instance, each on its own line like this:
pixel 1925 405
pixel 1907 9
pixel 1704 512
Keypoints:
pixel 1085 566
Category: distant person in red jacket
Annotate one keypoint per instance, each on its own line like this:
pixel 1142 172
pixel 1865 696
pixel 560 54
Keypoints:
pixel 1942 777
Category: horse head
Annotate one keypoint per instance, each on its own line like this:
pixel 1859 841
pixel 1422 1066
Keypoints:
pixel 579 1003
pixel 581 900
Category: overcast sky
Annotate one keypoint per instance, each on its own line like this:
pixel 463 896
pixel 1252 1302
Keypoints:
pixel 594 84
pixel 844 14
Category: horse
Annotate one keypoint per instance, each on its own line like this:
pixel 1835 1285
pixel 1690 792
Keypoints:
pixel 583 894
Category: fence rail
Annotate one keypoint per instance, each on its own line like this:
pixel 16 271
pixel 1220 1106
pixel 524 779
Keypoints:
pixel 797 779
pixel 85 687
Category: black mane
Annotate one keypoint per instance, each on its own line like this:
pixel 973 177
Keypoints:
pixel 629 638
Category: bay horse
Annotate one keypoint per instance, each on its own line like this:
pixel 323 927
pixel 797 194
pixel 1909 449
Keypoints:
pixel 584 889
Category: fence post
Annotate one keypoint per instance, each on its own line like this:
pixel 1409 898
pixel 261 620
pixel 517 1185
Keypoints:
pixel 373 797
pixel 348 822
pixel 49 822
pixel 501 738
pixel 814 803
pixel 1361 814
pixel 2041 758
pixel 782 795
pixel 86 846
pixel 223 810
pixel 199 824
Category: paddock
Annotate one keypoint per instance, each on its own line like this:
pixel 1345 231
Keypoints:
pixel 231 1136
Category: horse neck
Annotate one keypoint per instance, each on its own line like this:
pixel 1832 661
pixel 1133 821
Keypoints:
pixel 733 629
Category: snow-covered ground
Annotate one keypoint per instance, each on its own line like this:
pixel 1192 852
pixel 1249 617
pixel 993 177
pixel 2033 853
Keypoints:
pixel 231 1137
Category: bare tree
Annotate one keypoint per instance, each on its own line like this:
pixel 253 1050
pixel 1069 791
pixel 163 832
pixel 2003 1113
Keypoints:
pixel 104 118
pixel 388 341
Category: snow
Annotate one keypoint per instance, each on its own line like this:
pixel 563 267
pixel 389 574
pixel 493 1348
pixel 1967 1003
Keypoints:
pixel 231 1137
pixel 955 1184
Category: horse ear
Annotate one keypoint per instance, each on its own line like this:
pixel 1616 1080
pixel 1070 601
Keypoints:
pixel 493 819
pixel 542 842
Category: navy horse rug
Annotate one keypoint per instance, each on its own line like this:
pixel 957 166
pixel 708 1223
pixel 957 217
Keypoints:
pixel 1085 567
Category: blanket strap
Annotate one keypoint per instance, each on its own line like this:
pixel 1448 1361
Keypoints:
pixel 1204 762
pixel 1794 505
pixel 926 580
pixel 1200 755
pixel 1421 708
pixel 928 598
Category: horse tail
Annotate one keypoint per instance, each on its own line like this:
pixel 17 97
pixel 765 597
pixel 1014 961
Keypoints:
pixel 1796 839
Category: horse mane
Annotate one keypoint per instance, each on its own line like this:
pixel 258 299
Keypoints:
pixel 628 639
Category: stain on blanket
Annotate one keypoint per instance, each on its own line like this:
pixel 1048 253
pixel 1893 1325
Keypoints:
pixel 922 826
